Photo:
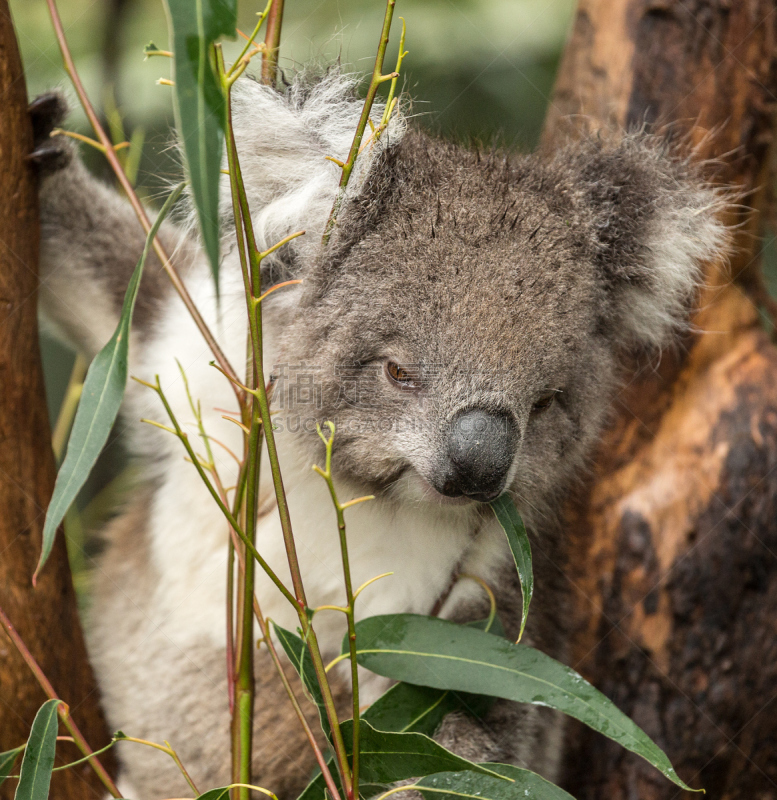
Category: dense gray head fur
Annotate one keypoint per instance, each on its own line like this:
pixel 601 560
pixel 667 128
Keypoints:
pixel 510 286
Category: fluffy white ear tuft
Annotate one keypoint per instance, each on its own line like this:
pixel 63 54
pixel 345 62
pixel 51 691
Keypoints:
pixel 684 233
pixel 283 141
pixel 655 223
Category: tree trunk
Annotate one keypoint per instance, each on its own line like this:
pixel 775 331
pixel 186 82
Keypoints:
pixel 46 617
pixel 674 551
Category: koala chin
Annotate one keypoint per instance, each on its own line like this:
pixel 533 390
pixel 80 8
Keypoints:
pixel 464 329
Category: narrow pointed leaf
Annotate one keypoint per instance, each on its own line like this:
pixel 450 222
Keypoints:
pixel 300 658
pixel 405 708
pixel 7 760
pixel 200 106
pixel 523 785
pixel 437 653
pixel 386 757
pixel 215 794
pixel 38 761
pixel 514 529
pixel 101 398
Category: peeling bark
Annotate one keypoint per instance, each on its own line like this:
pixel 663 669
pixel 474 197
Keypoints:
pixel 674 562
pixel 45 617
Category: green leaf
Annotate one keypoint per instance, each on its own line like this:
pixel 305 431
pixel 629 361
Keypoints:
pixel 101 398
pixel 523 785
pixel 300 658
pixel 437 653
pixel 38 761
pixel 215 794
pixel 200 105
pixel 7 760
pixel 386 757
pixel 405 708
pixel 513 526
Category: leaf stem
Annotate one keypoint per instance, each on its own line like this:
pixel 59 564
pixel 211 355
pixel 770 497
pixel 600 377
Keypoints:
pixel 272 41
pixel 377 78
pixel 253 293
pixel 326 474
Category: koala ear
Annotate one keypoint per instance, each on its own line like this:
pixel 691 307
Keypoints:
pixel 283 142
pixel 654 223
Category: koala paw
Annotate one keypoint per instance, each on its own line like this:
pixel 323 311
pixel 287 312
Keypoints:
pixel 50 153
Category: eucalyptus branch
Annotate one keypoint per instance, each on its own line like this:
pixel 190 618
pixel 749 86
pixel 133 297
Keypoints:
pixel 241 62
pixel 272 42
pixel 184 438
pixel 377 79
pixel 391 100
pixel 137 206
pixel 63 709
pixel 326 474
pixel 253 293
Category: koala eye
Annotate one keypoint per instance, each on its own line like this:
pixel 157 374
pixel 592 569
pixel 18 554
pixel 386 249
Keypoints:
pixel 544 402
pixel 403 377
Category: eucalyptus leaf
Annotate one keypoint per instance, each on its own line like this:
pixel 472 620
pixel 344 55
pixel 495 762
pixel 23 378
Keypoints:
pixel 104 385
pixel 215 794
pixel 200 104
pixel 38 761
pixel 437 653
pixel 7 760
pixel 517 538
pixel 405 708
pixel 523 785
pixel 386 757
pixel 300 658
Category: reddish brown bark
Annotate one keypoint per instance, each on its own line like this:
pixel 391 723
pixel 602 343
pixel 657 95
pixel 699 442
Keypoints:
pixel 46 617
pixel 675 548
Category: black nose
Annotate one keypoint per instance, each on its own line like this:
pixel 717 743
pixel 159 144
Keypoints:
pixel 481 446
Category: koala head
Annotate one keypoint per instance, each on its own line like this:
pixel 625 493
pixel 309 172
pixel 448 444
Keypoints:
pixel 468 317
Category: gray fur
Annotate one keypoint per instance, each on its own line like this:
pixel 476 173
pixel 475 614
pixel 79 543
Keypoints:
pixel 495 279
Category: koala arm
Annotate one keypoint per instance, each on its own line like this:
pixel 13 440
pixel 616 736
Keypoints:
pixel 90 242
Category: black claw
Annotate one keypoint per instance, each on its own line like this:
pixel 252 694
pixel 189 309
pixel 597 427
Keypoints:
pixel 48 111
pixel 51 156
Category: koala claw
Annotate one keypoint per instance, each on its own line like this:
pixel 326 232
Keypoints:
pixel 48 111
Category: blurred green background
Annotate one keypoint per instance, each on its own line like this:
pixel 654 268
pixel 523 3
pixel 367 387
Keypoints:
pixel 477 69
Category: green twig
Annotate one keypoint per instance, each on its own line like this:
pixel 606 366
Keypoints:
pixel 326 474
pixel 272 42
pixel 377 79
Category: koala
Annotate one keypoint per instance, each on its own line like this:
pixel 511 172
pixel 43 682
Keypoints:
pixel 465 327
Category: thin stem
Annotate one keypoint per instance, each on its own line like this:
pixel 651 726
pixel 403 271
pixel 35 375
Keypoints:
pixel 140 211
pixel 224 510
pixel 377 78
pixel 63 710
pixel 267 639
pixel 326 474
pixel 253 292
pixel 68 408
pixel 272 43
pixel 239 63
pixel 165 748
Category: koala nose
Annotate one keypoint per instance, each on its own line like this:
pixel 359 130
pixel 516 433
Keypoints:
pixel 481 447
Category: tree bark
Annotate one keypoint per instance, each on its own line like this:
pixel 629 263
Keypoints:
pixel 46 617
pixel 674 549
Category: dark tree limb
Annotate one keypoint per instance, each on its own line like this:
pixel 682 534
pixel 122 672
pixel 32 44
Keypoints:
pixel 675 547
pixel 46 617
